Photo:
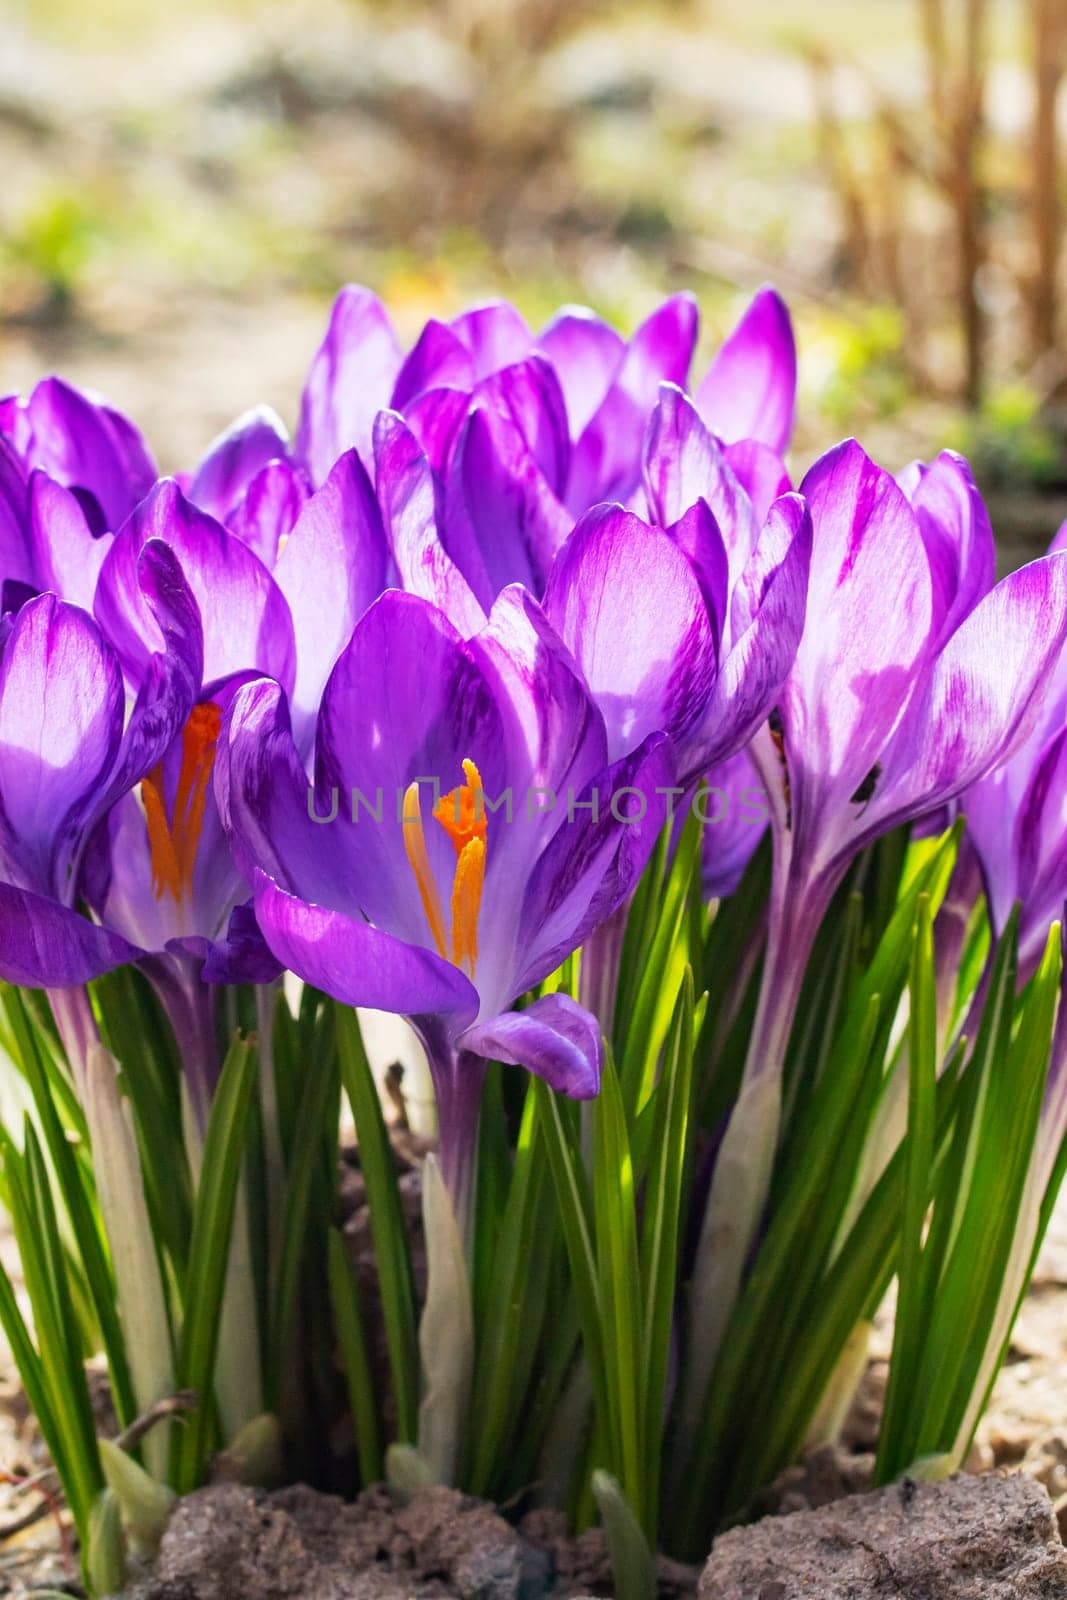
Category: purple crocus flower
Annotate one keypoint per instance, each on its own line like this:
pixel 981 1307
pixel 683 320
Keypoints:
pixel 886 715
pixel 597 389
pixel 84 444
pixel 466 840
pixel 904 691
pixel 68 753
pixel 1015 821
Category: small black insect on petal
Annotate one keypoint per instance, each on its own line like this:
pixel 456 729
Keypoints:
pixel 867 787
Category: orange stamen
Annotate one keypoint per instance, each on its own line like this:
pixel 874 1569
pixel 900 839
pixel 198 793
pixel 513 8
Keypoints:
pixel 173 845
pixel 461 813
pixel 419 862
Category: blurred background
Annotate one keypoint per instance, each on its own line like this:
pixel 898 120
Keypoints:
pixel 184 188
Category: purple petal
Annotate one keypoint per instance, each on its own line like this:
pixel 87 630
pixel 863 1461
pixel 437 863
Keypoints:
pixel 243 956
pixel 435 418
pixel 528 396
pixel 761 473
pixel 357 964
pixel 684 463
pixel 495 334
pixel 981 695
pixel 750 388
pixel 593 862
pixel 61 714
pixel 268 510
pixel 503 523
pixel 767 617
pixel 737 812
pixel 233 459
pixel 869 601
pixel 16 563
pixel 554 1037
pixel 45 946
pixel 958 537
pixel 90 448
pixel 350 380
pixel 438 359
pixel 604 464
pixel 407 496
pixel 67 557
pixel 586 354
pixel 246 622
pixel 335 562
pixel 697 533
pixel 651 665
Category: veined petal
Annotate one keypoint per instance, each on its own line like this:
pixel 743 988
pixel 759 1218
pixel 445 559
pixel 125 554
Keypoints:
pixel 246 622
pixel 495 335
pixel 16 562
pixel 357 964
pixel 592 863
pixel 503 523
pixel 67 557
pixel 554 1037
pixel 761 473
pixel 604 465
pixel 650 665
pixel 267 512
pixel 958 537
pixel 750 388
pixel 43 945
pixel 857 664
pixel 407 496
pixel 435 417
pixel 335 562
pixel 766 626
pixel 438 358
pixel 685 463
pixel 586 354
pixel 89 448
pixel 980 695
pixel 350 380
pixel 233 459
pixel 61 714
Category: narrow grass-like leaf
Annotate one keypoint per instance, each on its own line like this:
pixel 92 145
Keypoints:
pixel 662 1227
pixel 913 1306
pixel 387 1222
pixel 633 1566
pixel 224 1151
pixel 80 1208
pixel 619 1279
pixel 359 1376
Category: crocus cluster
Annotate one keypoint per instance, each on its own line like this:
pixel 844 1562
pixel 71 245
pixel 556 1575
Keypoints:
pixel 402 703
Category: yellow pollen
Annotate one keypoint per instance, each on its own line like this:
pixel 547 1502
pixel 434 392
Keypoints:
pixel 419 862
pixel 461 813
pixel 173 843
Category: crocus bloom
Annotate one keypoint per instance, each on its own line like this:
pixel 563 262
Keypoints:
pixel 1015 821
pixel 885 715
pixel 84 444
pixel 601 385
pixel 416 893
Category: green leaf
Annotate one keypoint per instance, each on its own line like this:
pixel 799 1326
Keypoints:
pixel 661 1233
pixel 631 1559
pixel 387 1221
pixel 224 1151
pixel 913 1305
pixel 359 1375
pixel 79 1203
pixel 316 1104
pixel 619 1280
pixel 59 1346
